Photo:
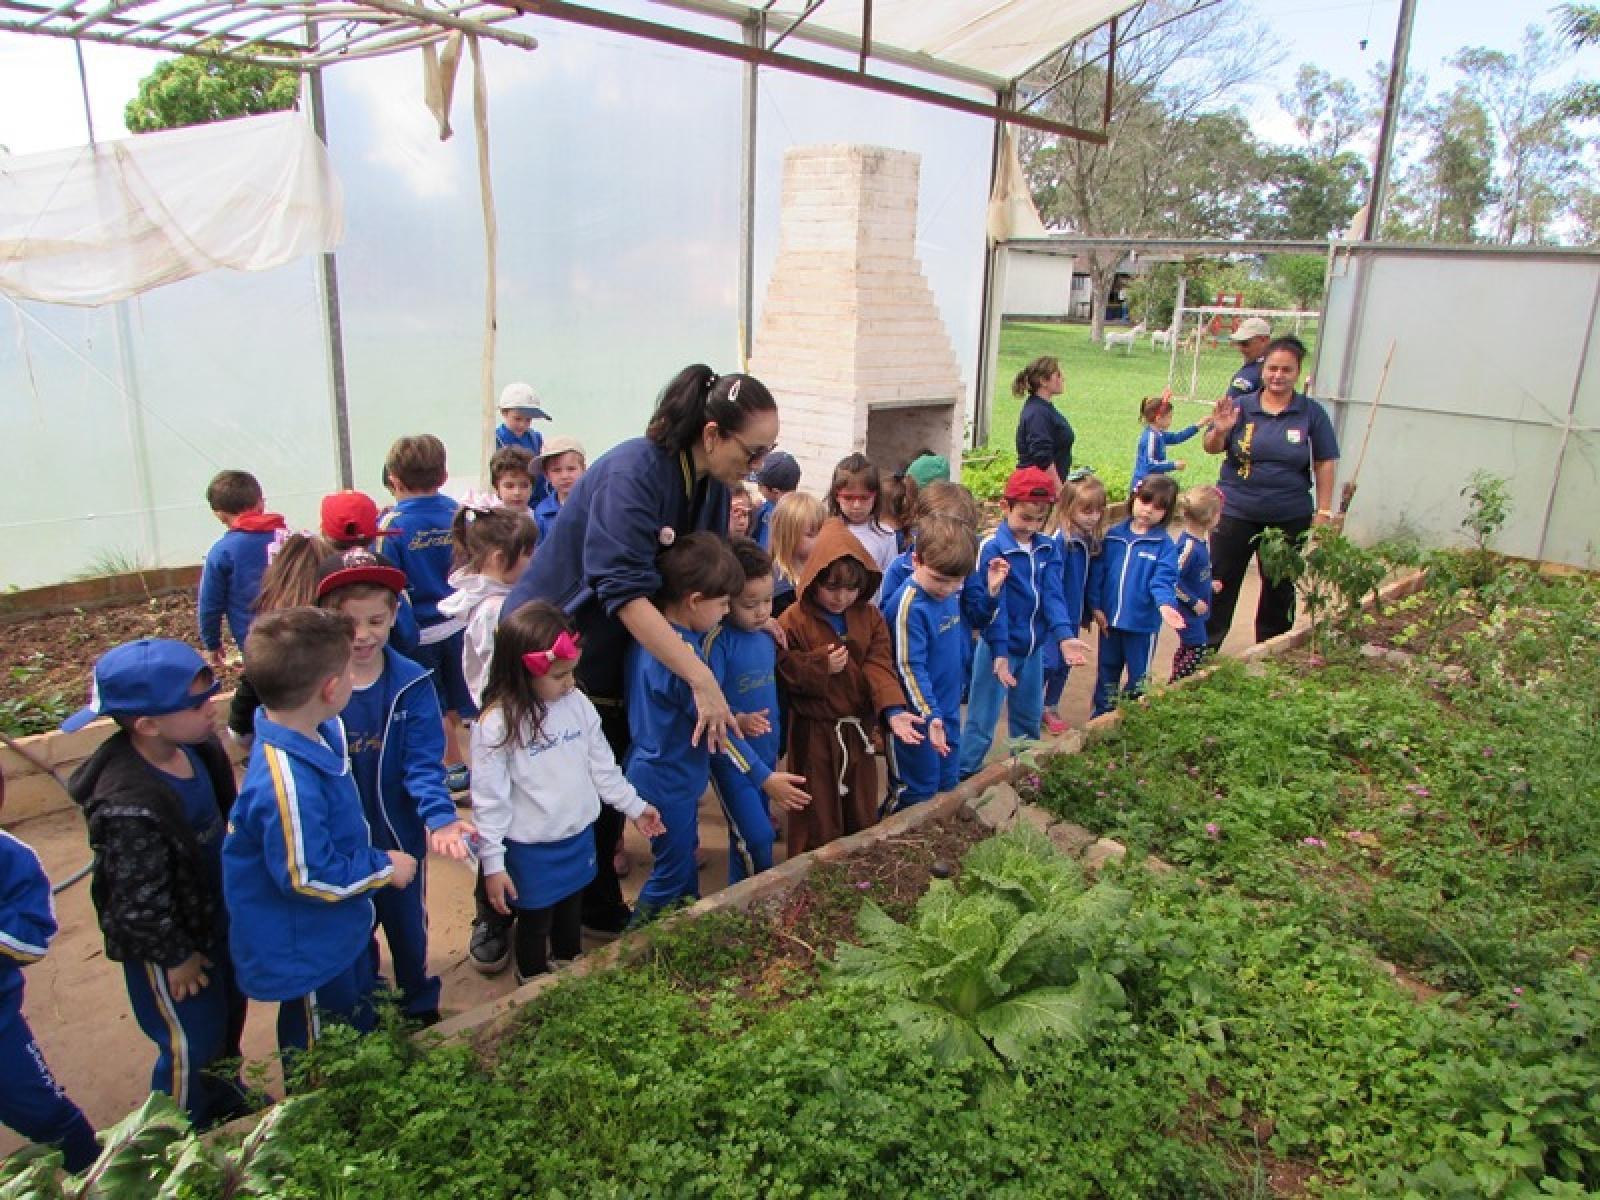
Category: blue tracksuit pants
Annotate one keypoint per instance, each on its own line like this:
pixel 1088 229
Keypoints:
pixel 1121 651
pixel 1024 705
pixel 192 1034
pixel 1055 683
pixel 750 829
pixel 403 917
pixel 918 773
pixel 674 876
pixel 346 998
pixel 32 1102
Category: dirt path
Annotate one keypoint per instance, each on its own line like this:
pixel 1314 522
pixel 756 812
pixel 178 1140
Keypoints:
pixel 78 1007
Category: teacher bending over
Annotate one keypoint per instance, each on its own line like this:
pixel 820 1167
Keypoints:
pixel 1278 443
pixel 599 563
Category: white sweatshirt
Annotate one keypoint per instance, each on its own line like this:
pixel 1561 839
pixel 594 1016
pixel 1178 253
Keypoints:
pixel 546 791
pixel 478 598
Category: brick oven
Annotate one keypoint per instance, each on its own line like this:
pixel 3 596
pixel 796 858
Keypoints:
pixel 850 340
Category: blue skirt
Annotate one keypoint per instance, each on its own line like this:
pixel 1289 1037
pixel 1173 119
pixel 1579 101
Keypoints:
pixel 546 873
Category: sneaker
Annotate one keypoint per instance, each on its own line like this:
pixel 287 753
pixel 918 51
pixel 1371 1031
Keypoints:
pixel 458 778
pixel 1054 724
pixel 609 919
pixel 490 948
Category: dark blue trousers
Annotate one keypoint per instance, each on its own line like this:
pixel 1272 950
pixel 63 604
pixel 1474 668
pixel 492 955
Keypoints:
pixel 1121 652
pixel 346 998
pixel 32 1102
pixel 403 917
pixel 750 830
pixel 191 1035
pixel 918 773
pixel 674 875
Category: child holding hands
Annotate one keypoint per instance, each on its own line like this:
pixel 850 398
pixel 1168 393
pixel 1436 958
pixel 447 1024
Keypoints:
pixel 1132 588
pixel 541 768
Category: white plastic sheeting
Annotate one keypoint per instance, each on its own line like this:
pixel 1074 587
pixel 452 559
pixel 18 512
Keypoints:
pixel 96 224
pixel 1496 367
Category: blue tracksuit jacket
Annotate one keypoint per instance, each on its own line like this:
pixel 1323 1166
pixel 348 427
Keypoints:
pixel 1194 585
pixel 422 549
pixel 977 606
pixel 1151 456
pixel 230 580
pixel 545 512
pixel 297 864
pixel 412 797
pixel 532 442
pixel 1031 608
pixel 929 651
pixel 1134 576
pixel 761 524
pixel 603 549
pixel 27 917
pixel 746 665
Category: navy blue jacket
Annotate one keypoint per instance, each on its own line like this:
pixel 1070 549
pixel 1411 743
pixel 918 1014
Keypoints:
pixel 602 547
pixel 422 549
pixel 1247 380
pixel 1135 574
pixel 1044 437
pixel 230 580
pixel 1031 607
pixel 412 797
pixel 298 864
pixel 930 649
pixel 1151 456
pixel 1193 587
pixel 27 918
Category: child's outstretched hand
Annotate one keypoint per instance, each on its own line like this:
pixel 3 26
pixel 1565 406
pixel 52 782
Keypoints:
pixel 838 658
pixel 904 726
pixel 937 738
pixel 786 790
pixel 500 891
pixel 1074 651
pixel 1201 608
pixel 753 724
pixel 405 869
pixel 450 841
pixel 1100 621
pixel 649 822
pixel 188 977
pixel 999 568
pixel 1172 617
pixel 1002 672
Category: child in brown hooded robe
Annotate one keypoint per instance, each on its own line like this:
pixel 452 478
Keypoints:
pixel 840 682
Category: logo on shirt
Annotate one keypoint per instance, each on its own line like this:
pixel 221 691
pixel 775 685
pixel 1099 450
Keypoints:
pixel 752 681
pixel 1292 436
pixel 950 621
pixel 364 743
pixel 1144 554
pixel 429 539
pixel 550 743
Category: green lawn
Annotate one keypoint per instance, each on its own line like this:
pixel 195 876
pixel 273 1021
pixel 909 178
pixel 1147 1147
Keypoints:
pixel 1102 402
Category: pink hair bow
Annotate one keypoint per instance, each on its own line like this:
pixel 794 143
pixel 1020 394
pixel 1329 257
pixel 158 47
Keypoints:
pixel 538 662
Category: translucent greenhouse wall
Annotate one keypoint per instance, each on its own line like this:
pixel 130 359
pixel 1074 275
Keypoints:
pixel 617 177
pixel 1496 367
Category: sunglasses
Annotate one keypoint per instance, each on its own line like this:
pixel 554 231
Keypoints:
pixel 753 454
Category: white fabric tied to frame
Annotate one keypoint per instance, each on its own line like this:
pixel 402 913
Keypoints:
pixel 92 225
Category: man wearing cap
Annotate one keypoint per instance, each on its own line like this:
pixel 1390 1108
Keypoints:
pixel 520 406
pixel 779 475
pixel 156 796
pixel 1250 339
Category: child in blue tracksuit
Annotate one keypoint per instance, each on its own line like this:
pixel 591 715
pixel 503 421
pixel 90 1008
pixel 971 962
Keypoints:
pixel 1200 509
pixel 156 796
pixel 698 576
pixel 424 550
pixel 1151 456
pixel 230 580
pixel 520 406
pixel 1081 525
pixel 396 741
pixel 298 864
pixel 31 1101
pixel 1009 665
pixel 1132 590
pixel 743 656
pixel 929 643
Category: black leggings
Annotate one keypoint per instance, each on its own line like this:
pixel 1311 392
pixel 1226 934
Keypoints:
pixel 1233 544
pixel 546 933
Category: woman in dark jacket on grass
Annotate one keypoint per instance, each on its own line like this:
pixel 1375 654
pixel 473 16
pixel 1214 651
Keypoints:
pixel 1044 437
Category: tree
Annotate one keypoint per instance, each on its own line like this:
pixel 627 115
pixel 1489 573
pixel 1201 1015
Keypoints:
pixel 1328 113
pixel 1173 164
pixel 1443 197
pixel 1301 276
pixel 191 90
pixel 1580 25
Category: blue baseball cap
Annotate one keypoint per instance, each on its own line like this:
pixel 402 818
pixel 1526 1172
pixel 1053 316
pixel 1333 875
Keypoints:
pixel 147 678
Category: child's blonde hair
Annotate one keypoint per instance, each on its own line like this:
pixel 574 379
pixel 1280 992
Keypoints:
pixel 797 516
pixel 290 580
pixel 1201 505
pixel 1081 494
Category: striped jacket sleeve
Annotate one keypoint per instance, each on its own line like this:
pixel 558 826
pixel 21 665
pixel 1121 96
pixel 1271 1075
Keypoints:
pixel 27 917
pixel 909 638
pixel 298 840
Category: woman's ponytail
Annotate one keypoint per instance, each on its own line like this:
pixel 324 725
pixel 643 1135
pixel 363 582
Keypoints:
pixel 696 395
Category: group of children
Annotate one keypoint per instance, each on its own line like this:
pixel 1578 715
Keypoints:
pixel 872 622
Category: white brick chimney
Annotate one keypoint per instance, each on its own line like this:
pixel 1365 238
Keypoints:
pixel 850 340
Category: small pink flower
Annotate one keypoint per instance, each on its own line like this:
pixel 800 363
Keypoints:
pixel 1516 991
pixel 1488 751
pixel 864 885
pixel 1355 835
pixel 1416 789
pixel 1312 841
pixel 1213 830
pixel 1513 1004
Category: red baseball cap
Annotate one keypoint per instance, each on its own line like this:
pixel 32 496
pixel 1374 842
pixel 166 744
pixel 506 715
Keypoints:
pixel 1030 484
pixel 347 516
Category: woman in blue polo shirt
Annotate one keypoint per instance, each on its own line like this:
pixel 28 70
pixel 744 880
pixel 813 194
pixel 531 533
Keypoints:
pixel 599 563
pixel 1278 444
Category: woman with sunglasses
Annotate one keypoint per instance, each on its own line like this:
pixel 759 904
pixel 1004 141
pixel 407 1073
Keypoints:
pixel 599 563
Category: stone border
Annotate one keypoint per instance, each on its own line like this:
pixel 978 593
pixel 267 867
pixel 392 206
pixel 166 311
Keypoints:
pixel 100 592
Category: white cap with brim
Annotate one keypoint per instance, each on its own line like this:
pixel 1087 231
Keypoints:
pixel 1250 327
pixel 520 397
